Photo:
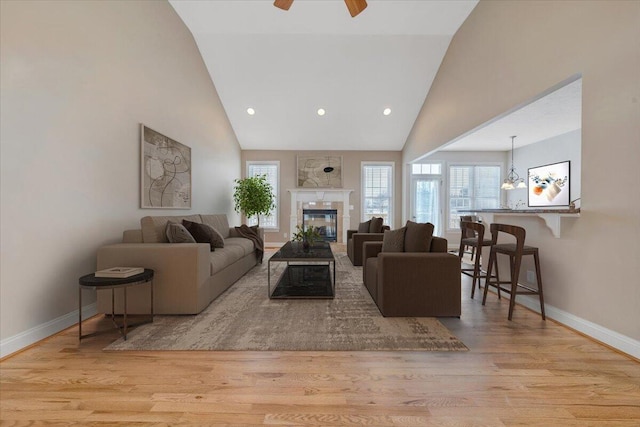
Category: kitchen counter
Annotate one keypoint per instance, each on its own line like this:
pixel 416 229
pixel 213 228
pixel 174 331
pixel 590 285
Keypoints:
pixel 551 217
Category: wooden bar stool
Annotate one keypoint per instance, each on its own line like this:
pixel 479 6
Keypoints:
pixel 468 233
pixel 477 241
pixel 515 252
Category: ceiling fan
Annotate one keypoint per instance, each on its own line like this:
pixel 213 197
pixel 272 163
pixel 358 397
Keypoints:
pixel 354 6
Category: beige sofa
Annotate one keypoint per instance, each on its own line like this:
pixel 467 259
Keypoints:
pixel 188 276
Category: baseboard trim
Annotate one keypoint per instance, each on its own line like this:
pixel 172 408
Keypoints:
pixel 606 336
pixel 31 336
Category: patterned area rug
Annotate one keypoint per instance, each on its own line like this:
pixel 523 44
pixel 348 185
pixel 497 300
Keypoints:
pixel 244 318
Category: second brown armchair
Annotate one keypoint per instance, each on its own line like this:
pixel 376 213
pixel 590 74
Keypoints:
pixel 369 231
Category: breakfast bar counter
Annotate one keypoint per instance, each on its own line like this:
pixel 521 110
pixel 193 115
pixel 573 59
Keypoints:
pixel 551 217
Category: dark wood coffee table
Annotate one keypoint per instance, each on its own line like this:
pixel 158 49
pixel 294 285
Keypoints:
pixel 307 274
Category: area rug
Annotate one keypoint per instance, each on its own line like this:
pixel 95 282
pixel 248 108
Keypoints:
pixel 244 318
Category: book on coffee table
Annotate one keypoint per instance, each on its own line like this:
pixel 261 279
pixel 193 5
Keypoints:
pixel 119 272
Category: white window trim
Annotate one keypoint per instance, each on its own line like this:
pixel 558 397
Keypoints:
pixel 393 189
pixel 276 211
pixel 448 187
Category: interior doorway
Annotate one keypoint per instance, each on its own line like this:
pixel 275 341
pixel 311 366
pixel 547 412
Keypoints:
pixel 426 200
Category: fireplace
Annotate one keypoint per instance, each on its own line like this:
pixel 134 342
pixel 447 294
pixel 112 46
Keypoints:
pixel 325 220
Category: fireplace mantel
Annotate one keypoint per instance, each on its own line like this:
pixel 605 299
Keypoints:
pixel 306 195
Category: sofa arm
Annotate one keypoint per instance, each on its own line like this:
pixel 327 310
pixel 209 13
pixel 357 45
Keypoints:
pixel 369 250
pixel 181 270
pixel 418 284
pixel 350 233
pixel 439 244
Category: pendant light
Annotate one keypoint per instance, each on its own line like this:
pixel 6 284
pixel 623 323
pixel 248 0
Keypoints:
pixel 513 180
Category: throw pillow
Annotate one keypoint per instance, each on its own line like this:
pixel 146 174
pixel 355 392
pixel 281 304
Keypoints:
pixel 393 240
pixel 204 233
pixel 364 227
pixel 177 233
pixel 418 237
pixel 376 225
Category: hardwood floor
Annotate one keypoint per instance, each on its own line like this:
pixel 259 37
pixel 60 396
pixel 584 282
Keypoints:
pixel 523 372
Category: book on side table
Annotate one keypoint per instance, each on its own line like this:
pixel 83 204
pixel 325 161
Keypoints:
pixel 119 272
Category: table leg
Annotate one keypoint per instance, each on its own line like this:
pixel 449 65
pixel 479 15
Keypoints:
pixel 124 317
pixel 151 284
pixel 79 314
pixel 269 278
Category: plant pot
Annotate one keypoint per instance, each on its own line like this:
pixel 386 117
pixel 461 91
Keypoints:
pixel 306 245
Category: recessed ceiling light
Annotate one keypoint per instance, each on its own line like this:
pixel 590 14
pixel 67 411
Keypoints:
pixel 386 111
pixel 321 111
pixel 251 111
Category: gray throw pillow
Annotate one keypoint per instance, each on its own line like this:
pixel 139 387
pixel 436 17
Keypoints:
pixel 418 237
pixel 376 225
pixel 364 227
pixel 177 233
pixel 393 240
pixel 204 233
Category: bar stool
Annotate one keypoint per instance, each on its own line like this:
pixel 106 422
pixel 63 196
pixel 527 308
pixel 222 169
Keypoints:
pixel 515 252
pixel 476 230
pixel 468 233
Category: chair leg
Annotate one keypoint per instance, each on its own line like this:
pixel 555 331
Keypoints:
pixel 473 252
pixel 539 279
pixel 515 272
pixel 476 272
pixel 487 281
pixel 497 277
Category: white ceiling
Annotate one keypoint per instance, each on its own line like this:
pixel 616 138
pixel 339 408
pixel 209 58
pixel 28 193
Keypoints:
pixel 553 114
pixel 287 64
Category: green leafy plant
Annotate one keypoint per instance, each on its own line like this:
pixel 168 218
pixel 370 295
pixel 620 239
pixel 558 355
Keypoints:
pixel 309 234
pixel 253 196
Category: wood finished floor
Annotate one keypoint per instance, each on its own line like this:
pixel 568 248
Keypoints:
pixel 523 372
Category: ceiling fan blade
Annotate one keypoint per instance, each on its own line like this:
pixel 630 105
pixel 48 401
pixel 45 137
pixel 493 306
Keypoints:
pixel 356 6
pixel 283 4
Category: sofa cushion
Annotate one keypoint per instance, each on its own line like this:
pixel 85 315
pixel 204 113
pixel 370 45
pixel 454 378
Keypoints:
pixel 204 233
pixel 376 225
pixel 234 249
pixel 177 233
pixel 393 240
pixel 364 227
pixel 219 222
pixel 418 237
pixel 154 227
pixel 242 242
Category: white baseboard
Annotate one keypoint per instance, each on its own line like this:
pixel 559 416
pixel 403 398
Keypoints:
pixel 40 332
pixel 618 341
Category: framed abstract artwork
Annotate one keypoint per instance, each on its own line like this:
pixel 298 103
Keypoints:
pixel 319 171
pixel 165 171
pixel 549 185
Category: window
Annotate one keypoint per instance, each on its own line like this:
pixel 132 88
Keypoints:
pixel 377 191
pixel 426 169
pixel 472 187
pixel 271 170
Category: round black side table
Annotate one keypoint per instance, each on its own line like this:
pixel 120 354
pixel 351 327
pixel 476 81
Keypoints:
pixel 90 281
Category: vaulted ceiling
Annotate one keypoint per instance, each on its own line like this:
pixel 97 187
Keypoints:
pixel 288 64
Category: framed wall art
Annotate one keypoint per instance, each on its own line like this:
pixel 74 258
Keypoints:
pixel 549 185
pixel 165 172
pixel 319 171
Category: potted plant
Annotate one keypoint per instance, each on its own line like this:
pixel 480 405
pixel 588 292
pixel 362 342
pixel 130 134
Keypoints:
pixel 253 196
pixel 307 236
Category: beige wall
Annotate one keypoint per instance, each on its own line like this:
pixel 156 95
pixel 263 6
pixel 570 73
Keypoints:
pixel 77 79
pixel 351 172
pixel 507 53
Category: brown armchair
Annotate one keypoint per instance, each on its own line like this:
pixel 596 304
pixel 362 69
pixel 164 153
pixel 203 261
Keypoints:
pixel 413 284
pixel 355 240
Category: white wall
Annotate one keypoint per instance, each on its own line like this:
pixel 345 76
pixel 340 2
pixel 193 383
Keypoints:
pixel 77 78
pixel 507 53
